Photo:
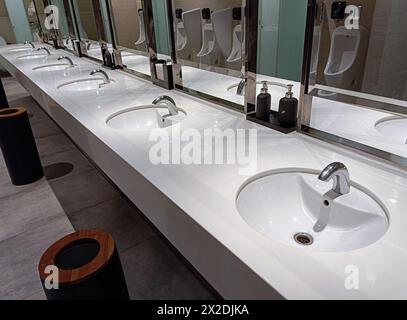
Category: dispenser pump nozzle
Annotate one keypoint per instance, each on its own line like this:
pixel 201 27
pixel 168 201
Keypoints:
pixel 289 93
pixel 265 88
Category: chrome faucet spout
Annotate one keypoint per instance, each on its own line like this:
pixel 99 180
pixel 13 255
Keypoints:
pixel 71 64
pixel 240 87
pixel 169 103
pixel 106 78
pixel 45 49
pixel 338 172
pixel 30 43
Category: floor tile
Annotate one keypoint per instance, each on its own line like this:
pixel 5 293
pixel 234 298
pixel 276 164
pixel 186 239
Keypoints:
pixel 21 211
pixel 72 156
pixel 82 191
pixel 154 271
pixel 19 257
pixel 118 218
pixel 53 144
pixel 40 295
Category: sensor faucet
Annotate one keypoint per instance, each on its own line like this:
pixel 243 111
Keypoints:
pixel 338 172
pixel 341 186
pixel 71 64
pixel 106 79
pixel 169 103
pixel 30 43
pixel 45 49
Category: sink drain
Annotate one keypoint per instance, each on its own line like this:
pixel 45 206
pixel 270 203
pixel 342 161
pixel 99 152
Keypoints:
pixel 303 239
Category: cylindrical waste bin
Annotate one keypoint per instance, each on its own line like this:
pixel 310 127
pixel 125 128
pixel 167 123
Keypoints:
pixel 3 97
pixel 18 147
pixel 87 267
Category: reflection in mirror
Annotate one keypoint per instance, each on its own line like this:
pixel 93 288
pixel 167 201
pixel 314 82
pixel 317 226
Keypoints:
pixel 130 36
pixel 209 45
pixel 93 26
pixel 280 46
pixel 358 67
pixel 33 19
pixel 63 32
pixel 39 6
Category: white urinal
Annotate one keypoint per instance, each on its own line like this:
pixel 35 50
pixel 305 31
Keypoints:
pixel 189 33
pixel 222 22
pixel 346 58
pixel 181 36
pixel 142 36
pixel 237 45
pixel 208 39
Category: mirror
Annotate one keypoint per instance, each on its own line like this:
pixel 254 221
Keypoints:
pixel 93 26
pixel 280 46
pixel 39 7
pixel 357 69
pixel 130 37
pixel 65 26
pixel 210 49
pixel 33 19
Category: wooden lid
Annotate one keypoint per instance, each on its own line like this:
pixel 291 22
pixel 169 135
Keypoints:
pixel 11 112
pixel 106 250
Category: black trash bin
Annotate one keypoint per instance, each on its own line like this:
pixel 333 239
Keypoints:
pixel 88 267
pixel 3 97
pixel 18 147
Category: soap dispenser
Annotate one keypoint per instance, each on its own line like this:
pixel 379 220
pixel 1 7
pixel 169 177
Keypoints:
pixel 263 103
pixel 288 109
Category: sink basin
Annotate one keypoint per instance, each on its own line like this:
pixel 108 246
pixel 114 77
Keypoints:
pixel 21 49
pixel 143 118
pixel 52 67
pixel 285 206
pixel 85 84
pixel 32 56
pixel 394 128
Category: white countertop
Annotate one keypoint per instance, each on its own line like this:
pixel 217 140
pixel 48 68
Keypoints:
pixel 208 193
pixel 354 123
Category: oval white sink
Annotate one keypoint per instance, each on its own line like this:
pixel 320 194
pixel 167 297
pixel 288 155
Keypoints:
pixel 52 67
pixel 143 118
pixel 21 49
pixel 86 84
pixel 285 206
pixel 32 56
pixel 394 128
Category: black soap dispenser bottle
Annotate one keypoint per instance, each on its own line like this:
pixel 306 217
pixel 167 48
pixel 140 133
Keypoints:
pixel 288 109
pixel 263 103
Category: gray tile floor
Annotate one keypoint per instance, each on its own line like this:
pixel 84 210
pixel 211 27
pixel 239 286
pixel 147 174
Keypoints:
pixel 34 216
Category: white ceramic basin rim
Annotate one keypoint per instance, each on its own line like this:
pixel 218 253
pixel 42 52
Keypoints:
pixel 394 128
pixel 282 203
pixel 52 67
pixel 143 118
pixel 85 84
pixel 32 56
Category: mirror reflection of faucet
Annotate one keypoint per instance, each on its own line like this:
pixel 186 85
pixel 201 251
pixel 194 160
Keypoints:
pixel 142 37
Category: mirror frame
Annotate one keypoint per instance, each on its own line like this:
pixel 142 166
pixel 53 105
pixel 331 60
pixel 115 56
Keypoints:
pixel 307 96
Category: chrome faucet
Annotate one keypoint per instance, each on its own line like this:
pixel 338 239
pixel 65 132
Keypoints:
pixel 30 43
pixel 240 87
pixel 45 49
pixel 341 186
pixel 339 174
pixel 169 103
pixel 106 79
pixel 71 64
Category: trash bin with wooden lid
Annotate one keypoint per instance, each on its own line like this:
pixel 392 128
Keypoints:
pixel 18 147
pixel 87 267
